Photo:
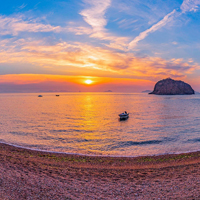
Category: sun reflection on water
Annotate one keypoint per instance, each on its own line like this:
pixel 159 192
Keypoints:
pixel 88 123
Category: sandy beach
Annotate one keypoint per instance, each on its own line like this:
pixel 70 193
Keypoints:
pixel 28 174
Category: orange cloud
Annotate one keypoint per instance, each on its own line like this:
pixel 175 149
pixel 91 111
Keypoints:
pixel 38 78
pixel 43 82
pixel 81 59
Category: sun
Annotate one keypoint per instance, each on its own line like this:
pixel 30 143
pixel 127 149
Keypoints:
pixel 88 81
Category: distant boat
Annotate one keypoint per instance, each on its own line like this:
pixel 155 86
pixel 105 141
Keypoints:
pixel 40 95
pixel 124 115
pixel 57 95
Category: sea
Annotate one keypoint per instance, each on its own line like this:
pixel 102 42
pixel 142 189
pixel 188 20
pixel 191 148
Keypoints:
pixel 88 123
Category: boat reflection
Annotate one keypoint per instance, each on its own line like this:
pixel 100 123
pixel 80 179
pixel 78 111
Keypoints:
pixel 123 119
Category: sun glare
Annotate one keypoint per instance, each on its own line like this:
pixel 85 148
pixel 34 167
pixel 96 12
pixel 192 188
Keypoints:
pixel 88 81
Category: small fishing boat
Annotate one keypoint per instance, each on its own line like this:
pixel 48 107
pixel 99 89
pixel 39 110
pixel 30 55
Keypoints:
pixel 124 115
pixel 40 95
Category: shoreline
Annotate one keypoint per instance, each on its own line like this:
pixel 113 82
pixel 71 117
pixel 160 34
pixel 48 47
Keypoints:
pixel 28 173
pixel 164 159
pixel 96 155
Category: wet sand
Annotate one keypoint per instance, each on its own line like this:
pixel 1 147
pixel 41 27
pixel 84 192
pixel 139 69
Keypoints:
pixel 27 174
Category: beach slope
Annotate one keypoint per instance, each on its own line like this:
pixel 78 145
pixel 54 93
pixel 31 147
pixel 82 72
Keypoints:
pixel 28 174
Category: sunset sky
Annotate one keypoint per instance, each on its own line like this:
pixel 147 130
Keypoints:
pixel 95 45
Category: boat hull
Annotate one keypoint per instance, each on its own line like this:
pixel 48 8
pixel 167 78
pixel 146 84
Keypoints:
pixel 123 116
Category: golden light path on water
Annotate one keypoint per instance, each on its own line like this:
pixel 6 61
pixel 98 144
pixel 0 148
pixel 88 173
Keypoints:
pixel 88 123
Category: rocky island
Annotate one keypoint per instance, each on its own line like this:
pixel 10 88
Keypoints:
pixel 172 87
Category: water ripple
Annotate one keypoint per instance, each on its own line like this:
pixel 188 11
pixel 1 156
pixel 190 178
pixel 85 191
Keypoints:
pixel 89 123
pixel 194 140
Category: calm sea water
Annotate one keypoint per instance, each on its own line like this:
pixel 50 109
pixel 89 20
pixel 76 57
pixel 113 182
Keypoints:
pixel 87 123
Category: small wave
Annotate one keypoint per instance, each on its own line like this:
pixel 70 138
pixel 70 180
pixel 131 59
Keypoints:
pixel 194 140
pixel 133 143
pixel 71 131
pixel 52 138
pixel 60 131
pixel 64 140
pixel 138 143
pixel 21 133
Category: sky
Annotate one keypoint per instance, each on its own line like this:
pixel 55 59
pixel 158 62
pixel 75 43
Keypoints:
pixel 119 45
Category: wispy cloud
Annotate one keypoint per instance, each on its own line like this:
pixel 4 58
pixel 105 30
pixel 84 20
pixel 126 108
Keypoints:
pixel 95 14
pixel 80 30
pixel 14 25
pixel 190 5
pixel 127 23
pixel 186 6
pixel 22 6
pixel 154 28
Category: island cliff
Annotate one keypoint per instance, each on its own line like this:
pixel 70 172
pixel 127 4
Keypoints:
pixel 172 87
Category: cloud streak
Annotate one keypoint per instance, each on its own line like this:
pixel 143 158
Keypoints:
pixel 15 25
pixel 186 6
pixel 154 28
